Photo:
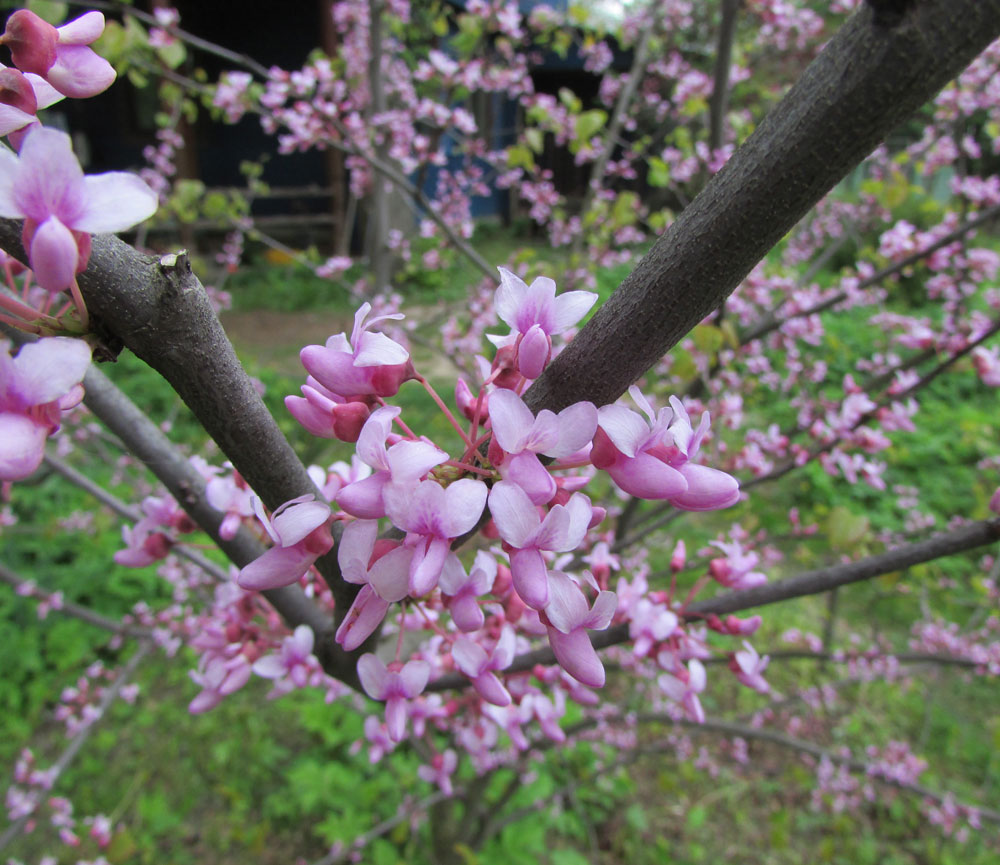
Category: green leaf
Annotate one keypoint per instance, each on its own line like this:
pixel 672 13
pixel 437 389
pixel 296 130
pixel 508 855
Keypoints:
pixel 520 156
pixel 845 529
pixel 589 123
pixel 708 338
pixel 535 139
pixel 49 10
pixel 659 172
pixel 568 98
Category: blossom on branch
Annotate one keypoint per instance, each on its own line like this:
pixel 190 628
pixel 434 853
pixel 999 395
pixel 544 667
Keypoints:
pixel 61 207
pixel 60 55
pixel 35 388
pixel 300 531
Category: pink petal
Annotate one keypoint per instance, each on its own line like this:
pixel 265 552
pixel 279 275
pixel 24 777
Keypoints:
pixel 526 471
pixel 533 352
pixel 537 305
pixel 364 616
pixel 648 478
pixel 513 513
pixel 373 675
pixel 469 656
pixel 425 567
pixel 530 577
pixel 115 201
pixel 602 612
pixel 395 718
pixel 379 350
pixel 54 255
pixel 45 94
pixel 371 441
pixel 467 615
pixel 414 676
pixel 390 575
pixel 570 307
pixel 355 550
pixel 294 523
pixel 453 576
pixel 510 419
pixel 49 368
pixel 83 30
pixel 363 498
pixel 411 460
pixel 270 667
pixel 577 425
pixel 708 489
pixel 279 566
pixel 508 297
pixel 491 690
pixel 12 118
pixel 554 530
pixel 626 429
pixel 79 72
pixel 567 606
pixel 577 656
pixel 50 180
pixel 464 501
pixel 9 169
pixel 22 446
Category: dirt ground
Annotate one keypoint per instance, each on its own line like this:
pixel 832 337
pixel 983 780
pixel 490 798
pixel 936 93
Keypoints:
pixel 274 339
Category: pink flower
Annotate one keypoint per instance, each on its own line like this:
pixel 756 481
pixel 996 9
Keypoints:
pixel 35 387
pixel 295 665
pixel 370 363
pixel 462 591
pixel 683 686
pixel 403 463
pixel 518 523
pixel 653 460
pixel 569 618
pixel 395 687
pixel 534 314
pixel 382 568
pixel 749 668
pixel 21 97
pixel 300 531
pixel 62 55
pixel 519 436
pixel 326 414
pixel 473 660
pixel 433 516
pixel 61 207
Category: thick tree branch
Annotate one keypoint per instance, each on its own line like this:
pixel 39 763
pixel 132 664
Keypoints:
pixel 867 80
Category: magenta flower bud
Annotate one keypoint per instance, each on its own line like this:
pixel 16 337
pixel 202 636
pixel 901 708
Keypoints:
pixel 678 558
pixel 32 42
pixel 533 351
pixel 466 401
pixel 16 91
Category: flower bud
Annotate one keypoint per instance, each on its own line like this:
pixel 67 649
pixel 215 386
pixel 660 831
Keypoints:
pixel 32 42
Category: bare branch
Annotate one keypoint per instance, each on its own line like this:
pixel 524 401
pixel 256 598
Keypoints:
pixel 68 608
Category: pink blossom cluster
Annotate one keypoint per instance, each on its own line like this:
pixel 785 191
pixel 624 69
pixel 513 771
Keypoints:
pixel 519 484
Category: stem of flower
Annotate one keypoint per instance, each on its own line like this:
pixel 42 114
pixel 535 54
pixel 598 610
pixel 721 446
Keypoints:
pixel 447 412
pixel 81 307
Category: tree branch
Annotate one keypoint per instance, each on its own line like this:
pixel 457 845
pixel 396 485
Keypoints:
pixel 865 82
pixel 809 583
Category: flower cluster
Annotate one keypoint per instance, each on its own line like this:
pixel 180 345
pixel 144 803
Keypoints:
pixel 518 484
